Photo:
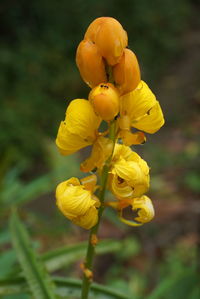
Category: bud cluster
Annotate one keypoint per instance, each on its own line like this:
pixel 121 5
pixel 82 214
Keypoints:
pixel 117 95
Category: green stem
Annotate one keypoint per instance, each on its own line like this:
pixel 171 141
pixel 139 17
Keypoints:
pixel 94 230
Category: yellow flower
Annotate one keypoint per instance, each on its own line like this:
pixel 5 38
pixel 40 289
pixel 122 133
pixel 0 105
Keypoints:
pixel 77 203
pixel 109 36
pixel 145 211
pixel 142 109
pixel 79 128
pixel 104 98
pixel 129 174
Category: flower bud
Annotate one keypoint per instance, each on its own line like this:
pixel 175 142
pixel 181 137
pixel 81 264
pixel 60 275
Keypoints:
pixel 105 101
pixel 90 63
pixel 110 37
pixel 77 203
pixel 127 72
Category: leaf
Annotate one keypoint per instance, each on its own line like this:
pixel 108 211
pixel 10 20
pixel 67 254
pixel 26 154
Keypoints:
pixel 37 278
pixel 169 285
pixel 64 256
pixel 65 287
pixel 7 260
pixel 61 257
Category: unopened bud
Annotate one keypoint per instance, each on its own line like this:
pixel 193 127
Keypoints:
pixel 127 72
pixel 109 36
pixel 105 101
pixel 90 63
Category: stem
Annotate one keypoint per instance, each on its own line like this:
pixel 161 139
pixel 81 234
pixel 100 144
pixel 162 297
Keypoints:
pixel 94 230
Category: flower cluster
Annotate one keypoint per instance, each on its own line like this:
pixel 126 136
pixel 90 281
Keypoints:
pixel 118 95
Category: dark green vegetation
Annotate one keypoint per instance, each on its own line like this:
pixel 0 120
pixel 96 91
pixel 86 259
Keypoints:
pixel 38 77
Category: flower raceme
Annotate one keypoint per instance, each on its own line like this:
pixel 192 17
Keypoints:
pixel 76 203
pixel 120 98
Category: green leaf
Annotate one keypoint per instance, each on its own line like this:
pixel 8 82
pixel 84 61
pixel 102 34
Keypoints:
pixel 7 261
pixel 64 256
pixel 65 288
pixel 37 278
pixel 168 285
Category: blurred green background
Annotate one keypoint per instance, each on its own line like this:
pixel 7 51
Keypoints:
pixel 38 77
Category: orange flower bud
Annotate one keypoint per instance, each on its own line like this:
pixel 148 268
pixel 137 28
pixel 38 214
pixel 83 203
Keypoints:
pixel 90 63
pixel 110 37
pixel 105 101
pixel 94 27
pixel 127 72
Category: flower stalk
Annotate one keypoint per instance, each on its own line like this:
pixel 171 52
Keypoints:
pixel 88 264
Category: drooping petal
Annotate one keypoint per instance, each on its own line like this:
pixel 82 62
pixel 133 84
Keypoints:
pixel 101 151
pixel 76 203
pixel 88 220
pixel 81 119
pixel 79 128
pixel 143 109
pixel 132 138
pixel 145 209
pixel 67 142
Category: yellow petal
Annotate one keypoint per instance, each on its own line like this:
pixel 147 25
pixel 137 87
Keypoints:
pixel 72 199
pixel 132 138
pixel 89 182
pixel 129 174
pixel 88 220
pixel 142 108
pixel 79 128
pixel 67 142
pixel 101 151
pixel 146 211
pixel 144 208
pixel 81 119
